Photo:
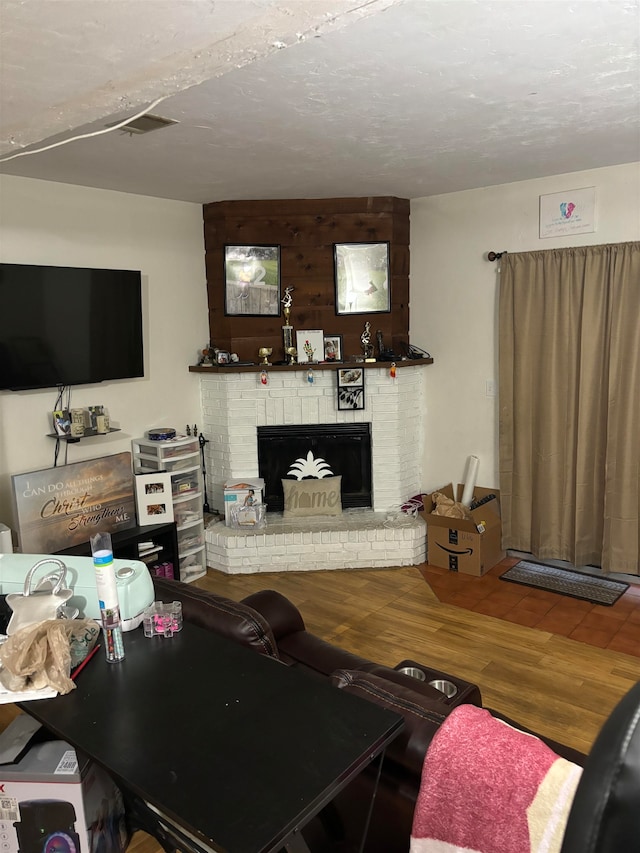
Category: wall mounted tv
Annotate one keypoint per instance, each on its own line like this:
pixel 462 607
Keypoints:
pixel 68 326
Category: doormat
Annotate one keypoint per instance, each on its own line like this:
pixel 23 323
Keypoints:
pixel 565 582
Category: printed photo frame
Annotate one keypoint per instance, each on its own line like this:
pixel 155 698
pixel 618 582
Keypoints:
pixel 350 389
pixel 154 501
pixel 252 281
pixel 333 348
pixel 362 279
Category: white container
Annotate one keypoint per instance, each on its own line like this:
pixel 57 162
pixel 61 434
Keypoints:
pixel 180 458
pixel 243 492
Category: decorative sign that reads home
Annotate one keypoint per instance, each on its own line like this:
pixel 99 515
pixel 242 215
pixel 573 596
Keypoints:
pixel 57 508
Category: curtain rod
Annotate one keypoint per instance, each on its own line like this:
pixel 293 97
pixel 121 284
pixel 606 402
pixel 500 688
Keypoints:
pixel 495 256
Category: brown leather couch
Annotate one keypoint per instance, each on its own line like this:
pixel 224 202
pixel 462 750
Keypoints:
pixel 270 624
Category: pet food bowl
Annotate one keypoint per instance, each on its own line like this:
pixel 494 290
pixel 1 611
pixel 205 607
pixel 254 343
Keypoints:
pixel 412 672
pixel 447 687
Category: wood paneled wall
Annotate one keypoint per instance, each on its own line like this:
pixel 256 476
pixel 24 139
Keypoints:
pixel 306 230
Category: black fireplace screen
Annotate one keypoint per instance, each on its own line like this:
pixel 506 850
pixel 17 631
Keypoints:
pixel 307 450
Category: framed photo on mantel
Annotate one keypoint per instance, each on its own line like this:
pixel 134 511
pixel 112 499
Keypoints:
pixel 310 345
pixel 333 348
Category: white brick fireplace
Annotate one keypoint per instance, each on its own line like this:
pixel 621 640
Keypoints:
pixel 235 404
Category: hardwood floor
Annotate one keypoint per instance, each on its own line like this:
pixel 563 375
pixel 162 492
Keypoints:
pixel 555 685
pixel 552 684
pixel 615 627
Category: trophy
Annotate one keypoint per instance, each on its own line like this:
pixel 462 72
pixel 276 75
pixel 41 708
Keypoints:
pixel 287 329
pixel 292 352
pixel 264 353
pixel 367 346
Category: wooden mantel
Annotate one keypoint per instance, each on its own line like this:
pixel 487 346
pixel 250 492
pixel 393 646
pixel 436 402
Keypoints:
pixel 292 368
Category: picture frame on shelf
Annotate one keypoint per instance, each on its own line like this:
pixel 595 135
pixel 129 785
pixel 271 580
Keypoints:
pixel 362 278
pixel 333 348
pixel 350 389
pixel 252 281
pixel 154 502
pixel 310 345
pixel 61 419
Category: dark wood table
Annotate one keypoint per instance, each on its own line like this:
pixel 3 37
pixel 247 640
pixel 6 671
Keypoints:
pixel 234 748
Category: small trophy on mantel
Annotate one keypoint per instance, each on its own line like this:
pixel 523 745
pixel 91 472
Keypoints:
pixel 287 329
pixel 367 346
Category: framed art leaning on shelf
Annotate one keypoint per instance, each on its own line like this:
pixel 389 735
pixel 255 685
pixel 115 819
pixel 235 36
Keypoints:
pixel 154 502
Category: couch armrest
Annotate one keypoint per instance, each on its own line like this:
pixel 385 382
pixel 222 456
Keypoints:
pixel 231 619
pixel 422 714
pixel 281 614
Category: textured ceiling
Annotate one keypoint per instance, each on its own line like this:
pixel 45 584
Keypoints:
pixel 309 98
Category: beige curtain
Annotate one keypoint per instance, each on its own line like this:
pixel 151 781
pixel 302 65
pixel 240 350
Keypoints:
pixel 569 343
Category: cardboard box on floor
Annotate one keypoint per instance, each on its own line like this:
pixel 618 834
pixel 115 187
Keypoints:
pixel 55 800
pixel 456 544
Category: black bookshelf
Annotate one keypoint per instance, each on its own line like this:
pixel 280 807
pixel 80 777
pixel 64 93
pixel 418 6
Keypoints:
pixel 126 545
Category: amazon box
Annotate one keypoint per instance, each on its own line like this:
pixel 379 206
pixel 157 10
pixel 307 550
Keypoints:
pixel 470 547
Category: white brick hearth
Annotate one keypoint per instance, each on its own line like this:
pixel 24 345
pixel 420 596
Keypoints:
pixel 235 404
pixel 359 539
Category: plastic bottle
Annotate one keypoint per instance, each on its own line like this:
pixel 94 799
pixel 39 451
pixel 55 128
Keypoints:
pixel 102 552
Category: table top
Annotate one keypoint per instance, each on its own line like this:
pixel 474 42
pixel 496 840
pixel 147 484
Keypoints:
pixel 236 748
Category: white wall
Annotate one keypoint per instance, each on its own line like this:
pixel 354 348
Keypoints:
pixel 454 299
pixel 453 305
pixel 58 224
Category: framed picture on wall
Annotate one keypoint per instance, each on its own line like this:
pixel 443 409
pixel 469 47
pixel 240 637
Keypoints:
pixel 333 347
pixel 252 281
pixel 350 388
pixel 361 277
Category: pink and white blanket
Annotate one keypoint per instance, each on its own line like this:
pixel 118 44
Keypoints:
pixel 489 788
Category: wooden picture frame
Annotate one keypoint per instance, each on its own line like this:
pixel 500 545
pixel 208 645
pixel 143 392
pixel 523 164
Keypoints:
pixel 350 389
pixel 362 278
pixel 252 281
pixel 333 348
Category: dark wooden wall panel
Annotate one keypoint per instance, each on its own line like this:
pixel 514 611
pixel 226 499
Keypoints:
pixel 306 231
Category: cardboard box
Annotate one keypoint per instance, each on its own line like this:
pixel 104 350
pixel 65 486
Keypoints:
pixel 458 545
pixel 52 801
pixel 244 492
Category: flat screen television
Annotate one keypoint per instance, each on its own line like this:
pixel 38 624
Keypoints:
pixel 68 326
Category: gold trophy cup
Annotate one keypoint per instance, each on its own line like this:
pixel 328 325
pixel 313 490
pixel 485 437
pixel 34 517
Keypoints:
pixel 264 353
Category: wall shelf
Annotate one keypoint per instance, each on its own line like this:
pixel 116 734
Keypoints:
pixel 73 439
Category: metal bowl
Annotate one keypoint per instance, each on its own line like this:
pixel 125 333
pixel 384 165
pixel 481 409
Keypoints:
pixel 447 687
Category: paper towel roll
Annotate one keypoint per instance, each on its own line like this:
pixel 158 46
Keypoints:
pixel 470 480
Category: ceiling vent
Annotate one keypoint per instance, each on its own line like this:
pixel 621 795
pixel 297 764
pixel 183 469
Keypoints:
pixel 147 123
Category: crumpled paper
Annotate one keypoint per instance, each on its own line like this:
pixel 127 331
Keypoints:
pixel 43 655
pixel 448 507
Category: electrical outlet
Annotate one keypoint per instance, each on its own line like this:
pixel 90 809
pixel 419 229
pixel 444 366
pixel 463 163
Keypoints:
pixel 490 388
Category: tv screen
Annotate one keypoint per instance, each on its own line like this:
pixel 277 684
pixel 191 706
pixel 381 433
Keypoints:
pixel 68 326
